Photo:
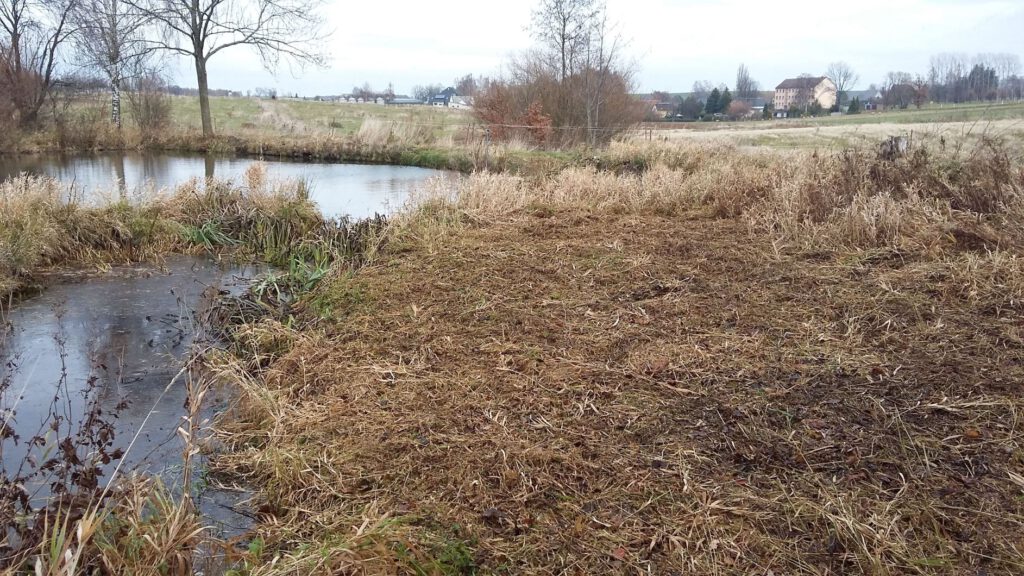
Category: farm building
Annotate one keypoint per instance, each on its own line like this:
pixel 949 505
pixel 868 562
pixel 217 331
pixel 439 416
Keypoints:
pixel 444 99
pixel 803 92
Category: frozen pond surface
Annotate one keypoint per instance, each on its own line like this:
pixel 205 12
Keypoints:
pixel 117 340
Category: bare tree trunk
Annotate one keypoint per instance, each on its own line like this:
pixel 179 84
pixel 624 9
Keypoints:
pixel 115 103
pixel 204 97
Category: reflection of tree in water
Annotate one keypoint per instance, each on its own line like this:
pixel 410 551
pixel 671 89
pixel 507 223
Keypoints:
pixel 210 165
pixel 119 176
pixel 156 168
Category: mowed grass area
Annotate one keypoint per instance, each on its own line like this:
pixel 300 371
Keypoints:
pixel 229 114
pixel 838 137
pixel 290 116
pixel 964 123
pixel 717 361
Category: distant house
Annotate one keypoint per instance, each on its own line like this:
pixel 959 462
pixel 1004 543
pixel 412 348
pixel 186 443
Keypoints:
pixel 870 99
pixel 803 92
pixel 460 102
pixel 404 101
pixel 657 109
pixel 444 99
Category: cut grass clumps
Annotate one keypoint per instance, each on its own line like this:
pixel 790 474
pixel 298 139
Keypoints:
pixel 570 389
pixel 697 361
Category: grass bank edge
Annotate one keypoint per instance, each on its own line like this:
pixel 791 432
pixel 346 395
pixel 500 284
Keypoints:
pixel 42 230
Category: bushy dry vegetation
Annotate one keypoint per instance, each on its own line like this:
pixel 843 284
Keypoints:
pixel 668 360
pixel 137 528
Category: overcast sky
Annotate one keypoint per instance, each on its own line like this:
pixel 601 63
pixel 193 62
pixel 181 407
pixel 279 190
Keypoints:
pixel 674 42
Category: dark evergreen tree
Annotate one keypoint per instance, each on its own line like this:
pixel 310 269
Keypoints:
pixel 713 106
pixel 724 101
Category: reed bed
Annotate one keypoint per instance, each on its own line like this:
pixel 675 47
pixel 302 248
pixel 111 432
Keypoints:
pixel 851 199
pixel 43 226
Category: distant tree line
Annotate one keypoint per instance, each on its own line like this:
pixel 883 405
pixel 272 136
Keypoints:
pixel 709 102
pixel 983 77
pixel 467 85
pixel 954 79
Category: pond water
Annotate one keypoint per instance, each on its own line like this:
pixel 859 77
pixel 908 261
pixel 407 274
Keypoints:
pixel 356 190
pixel 116 340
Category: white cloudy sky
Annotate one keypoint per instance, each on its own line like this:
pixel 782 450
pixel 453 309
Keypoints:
pixel 674 42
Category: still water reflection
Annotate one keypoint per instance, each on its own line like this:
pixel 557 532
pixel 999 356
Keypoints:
pixel 356 190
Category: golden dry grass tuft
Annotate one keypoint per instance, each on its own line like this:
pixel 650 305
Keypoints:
pixel 43 224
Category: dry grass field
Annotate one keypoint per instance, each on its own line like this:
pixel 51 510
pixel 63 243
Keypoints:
pixel 726 362
pixel 937 126
pixel 840 136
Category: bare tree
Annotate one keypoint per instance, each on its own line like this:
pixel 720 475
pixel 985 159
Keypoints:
pixel 601 60
pixel 110 39
pixel 564 29
pixel 920 95
pixel 424 93
pixel 844 77
pixel 33 34
pixel 701 90
pixel 898 90
pixel 746 87
pixel 201 29
pixel 948 77
pixel 1007 67
pixel 592 101
pixel 466 86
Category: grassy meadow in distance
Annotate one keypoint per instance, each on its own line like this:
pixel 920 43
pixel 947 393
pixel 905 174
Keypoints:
pixel 233 115
pixel 955 122
pixel 956 125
